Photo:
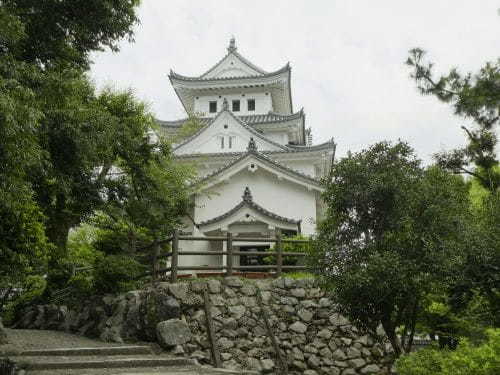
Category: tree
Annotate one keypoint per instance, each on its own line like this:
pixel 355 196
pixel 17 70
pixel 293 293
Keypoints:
pixel 45 103
pixel 146 201
pixel 23 244
pixel 473 96
pixel 64 32
pixel 390 234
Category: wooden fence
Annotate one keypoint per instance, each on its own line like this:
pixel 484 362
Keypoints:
pixel 230 253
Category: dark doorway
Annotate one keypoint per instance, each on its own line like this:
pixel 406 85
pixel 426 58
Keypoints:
pixel 253 260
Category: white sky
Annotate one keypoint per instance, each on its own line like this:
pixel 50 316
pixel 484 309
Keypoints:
pixel 347 59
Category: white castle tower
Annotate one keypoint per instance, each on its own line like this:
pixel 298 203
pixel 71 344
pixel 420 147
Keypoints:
pixel 258 171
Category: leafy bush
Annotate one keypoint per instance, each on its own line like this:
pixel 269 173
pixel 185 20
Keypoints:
pixel 468 359
pixel 292 248
pixel 116 274
pixel 32 290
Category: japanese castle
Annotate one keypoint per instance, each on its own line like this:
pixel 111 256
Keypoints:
pixel 257 168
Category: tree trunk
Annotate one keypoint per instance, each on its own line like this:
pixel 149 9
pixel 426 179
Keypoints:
pixel 390 331
pixel 155 265
pixel 57 233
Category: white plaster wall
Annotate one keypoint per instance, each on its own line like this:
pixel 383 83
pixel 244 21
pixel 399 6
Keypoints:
pixel 279 196
pixel 263 103
pixel 198 260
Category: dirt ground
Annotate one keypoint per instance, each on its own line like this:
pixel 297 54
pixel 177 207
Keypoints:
pixel 29 339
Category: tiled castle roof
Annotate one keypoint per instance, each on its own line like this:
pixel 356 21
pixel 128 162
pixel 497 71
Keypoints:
pixel 252 150
pixel 267 118
pixel 176 76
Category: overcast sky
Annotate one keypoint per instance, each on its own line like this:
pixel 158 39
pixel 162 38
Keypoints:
pixel 347 59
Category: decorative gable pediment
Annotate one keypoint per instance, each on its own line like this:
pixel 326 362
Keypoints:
pixel 226 133
pixel 232 65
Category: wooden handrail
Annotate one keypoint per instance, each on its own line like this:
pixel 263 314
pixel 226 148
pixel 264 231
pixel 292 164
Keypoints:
pixel 253 253
pixel 229 268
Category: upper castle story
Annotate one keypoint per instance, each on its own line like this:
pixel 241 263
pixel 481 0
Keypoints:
pixel 260 99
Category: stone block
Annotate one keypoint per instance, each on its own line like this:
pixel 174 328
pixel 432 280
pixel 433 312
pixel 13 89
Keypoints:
pixel 173 332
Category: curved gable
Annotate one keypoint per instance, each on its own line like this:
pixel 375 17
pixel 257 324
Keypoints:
pixel 226 133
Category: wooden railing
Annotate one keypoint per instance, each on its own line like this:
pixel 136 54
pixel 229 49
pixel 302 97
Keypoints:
pixel 230 252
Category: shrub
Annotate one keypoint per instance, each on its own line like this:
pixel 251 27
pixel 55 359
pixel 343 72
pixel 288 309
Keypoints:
pixel 31 292
pixel 292 248
pixel 468 359
pixel 116 274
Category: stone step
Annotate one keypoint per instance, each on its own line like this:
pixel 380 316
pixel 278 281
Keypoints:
pixel 170 370
pixel 106 350
pixel 96 362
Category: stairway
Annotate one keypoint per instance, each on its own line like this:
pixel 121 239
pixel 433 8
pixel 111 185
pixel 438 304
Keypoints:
pixel 126 360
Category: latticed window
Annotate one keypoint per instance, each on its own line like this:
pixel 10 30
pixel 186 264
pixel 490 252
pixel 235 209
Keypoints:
pixel 212 106
pixel 236 105
pixel 251 104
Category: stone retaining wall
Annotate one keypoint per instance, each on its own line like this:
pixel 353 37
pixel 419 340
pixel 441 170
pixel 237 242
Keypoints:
pixel 313 337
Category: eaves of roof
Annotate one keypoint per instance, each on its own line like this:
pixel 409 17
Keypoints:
pixel 251 205
pixel 175 76
pixel 292 149
pixel 268 118
pixel 260 156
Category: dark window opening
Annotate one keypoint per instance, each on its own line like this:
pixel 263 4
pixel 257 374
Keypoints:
pixel 251 104
pixel 253 260
pixel 236 105
pixel 212 107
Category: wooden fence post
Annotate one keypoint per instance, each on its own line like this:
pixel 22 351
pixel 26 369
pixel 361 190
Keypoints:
pixel 229 247
pixel 175 257
pixel 211 331
pixel 156 255
pixel 279 255
pixel 282 362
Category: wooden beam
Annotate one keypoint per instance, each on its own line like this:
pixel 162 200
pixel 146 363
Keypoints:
pixel 283 366
pixel 175 256
pixel 214 349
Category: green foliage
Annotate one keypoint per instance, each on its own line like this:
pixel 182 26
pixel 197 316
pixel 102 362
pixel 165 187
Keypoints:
pixel 23 245
pixel 468 359
pixel 481 271
pixel 391 233
pixel 33 288
pixel 300 275
pixel 442 317
pixel 116 274
pixel 81 250
pixel 191 126
pixel 66 31
pixel 290 247
pixel 473 96
pixel 54 133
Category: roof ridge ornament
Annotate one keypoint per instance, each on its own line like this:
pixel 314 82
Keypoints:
pixel 252 147
pixel 247 195
pixel 232 45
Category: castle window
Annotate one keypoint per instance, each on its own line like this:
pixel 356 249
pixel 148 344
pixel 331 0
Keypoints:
pixel 251 104
pixel 236 105
pixel 230 141
pixel 221 142
pixel 212 107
